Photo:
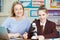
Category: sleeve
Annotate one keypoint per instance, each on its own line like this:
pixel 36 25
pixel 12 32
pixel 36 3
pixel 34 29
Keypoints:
pixel 28 25
pixel 30 32
pixel 6 24
pixel 54 33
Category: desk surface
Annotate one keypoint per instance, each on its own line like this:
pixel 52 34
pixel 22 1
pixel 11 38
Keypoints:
pixel 30 39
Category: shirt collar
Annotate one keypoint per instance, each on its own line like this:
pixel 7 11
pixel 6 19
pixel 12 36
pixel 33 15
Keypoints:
pixel 42 23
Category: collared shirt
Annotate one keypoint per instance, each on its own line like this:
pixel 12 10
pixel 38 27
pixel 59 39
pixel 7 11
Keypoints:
pixel 43 24
pixel 17 26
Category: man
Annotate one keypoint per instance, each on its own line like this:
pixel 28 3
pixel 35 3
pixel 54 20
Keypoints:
pixel 45 27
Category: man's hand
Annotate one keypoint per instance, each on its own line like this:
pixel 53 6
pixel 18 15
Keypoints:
pixel 41 37
pixel 25 35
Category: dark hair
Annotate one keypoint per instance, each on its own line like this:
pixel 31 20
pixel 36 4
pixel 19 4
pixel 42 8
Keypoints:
pixel 43 8
pixel 12 9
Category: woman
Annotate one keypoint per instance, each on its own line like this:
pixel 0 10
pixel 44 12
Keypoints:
pixel 17 24
pixel 45 27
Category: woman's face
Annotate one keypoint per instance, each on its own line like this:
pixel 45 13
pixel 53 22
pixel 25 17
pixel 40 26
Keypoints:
pixel 18 10
pixel 42 15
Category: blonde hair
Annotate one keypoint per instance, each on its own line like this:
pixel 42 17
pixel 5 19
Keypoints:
pixel 12 9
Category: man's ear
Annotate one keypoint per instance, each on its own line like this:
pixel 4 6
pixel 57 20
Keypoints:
pixel 47 15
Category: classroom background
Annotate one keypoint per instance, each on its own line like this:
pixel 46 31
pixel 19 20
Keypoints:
pixel 30 8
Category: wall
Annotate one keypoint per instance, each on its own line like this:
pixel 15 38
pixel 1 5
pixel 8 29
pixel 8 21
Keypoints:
pixel 5 10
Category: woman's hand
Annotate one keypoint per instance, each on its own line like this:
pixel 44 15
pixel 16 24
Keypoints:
pixel 16 35
pixel 25 35
pixel 11 35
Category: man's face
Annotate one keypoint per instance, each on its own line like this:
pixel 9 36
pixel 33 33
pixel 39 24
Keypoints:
pixel 42 15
